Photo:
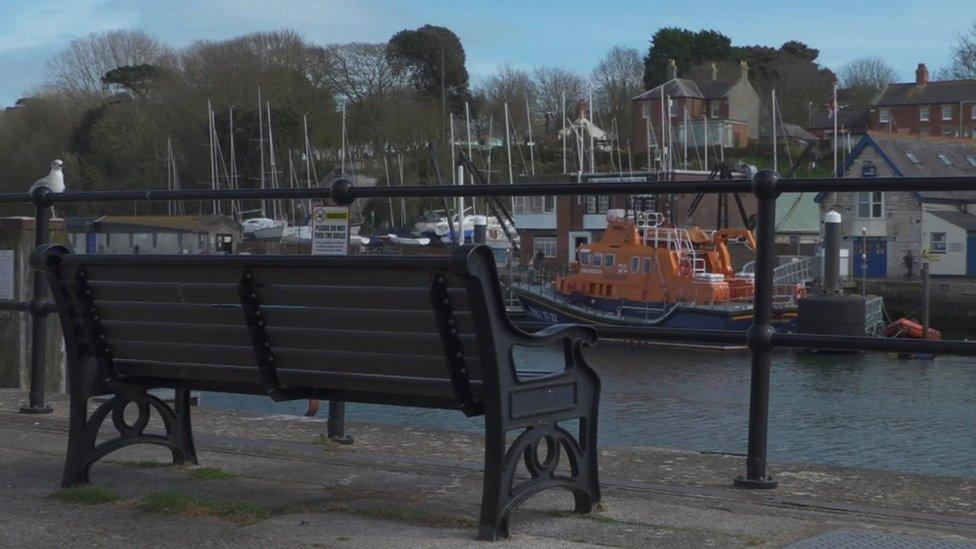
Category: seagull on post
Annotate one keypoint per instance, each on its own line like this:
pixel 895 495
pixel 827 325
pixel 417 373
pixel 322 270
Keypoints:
pixel 54 180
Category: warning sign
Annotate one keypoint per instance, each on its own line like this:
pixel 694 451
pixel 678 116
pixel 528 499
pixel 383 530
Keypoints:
pixel 330 230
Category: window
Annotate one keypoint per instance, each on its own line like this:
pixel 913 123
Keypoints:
pixel 937 243
pixel 869 205
pixel 635 264
pixel 647 265
pixel 597 259
pixel 645 110
pixel 974 112
pixel 609 260
pixel 535 204
pixel 945 159
pixel 671 107
pixel 972 160
pixel 923 113
pixel 584 258
pixel 884 116
pixel 597 204
pixel 912 157
pixel 715 109
pixel 545 244
pixel 947 112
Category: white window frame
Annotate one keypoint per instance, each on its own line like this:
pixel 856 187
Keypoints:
pixel 548 245
pixel 645 110
pixel 943 244
pixel 945 159
pixel 912 158
pixel 672 105
pixel 974 111
pixel 534 204
pixel 714 108
pixel 923 113
pixel 884 116
pixel 873 198
pixel 945 109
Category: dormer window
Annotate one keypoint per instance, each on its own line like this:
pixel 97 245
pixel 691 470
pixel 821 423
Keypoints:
pixel 923 113
pixel 945 159
pixel 971 160
pixel 715 108
pixel 913 158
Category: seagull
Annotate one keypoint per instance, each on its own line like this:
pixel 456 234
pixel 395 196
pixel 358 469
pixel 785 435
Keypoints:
pixel 54 180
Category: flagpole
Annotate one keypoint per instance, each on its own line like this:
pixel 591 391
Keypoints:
pixel 834 107
pixel 775 157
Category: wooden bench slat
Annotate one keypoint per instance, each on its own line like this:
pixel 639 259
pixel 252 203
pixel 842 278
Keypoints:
pixel 376 383
pixel 385 363
pixel 177 332
pixel 177 353
pixel 422 343
pixel 364 297
pixel 189 371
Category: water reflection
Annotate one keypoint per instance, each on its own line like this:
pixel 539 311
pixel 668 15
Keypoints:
pixel 869 410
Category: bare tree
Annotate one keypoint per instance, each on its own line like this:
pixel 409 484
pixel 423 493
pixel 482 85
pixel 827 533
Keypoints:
pixel 863 78
pixel 80 67
pixel 963 58
pixel 553 86
pixel 358 70
pixel 618 77
pixel 512 86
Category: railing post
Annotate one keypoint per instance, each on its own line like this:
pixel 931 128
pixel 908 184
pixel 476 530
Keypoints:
pixel 761 333
pixel 36 405
pixel 337 422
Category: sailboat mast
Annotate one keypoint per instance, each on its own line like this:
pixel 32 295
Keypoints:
pixel 264 209
pixel 563 108
pixel 271 158
pixel 775 157
pixel 342 153
pixel 508 147
pixel 531 143
pixel 213 155
pixel 308 163
pixel 589 119
pixel 235 207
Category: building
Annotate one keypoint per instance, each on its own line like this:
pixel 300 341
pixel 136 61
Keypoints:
pixel 787 133
pixel 890 224
pixel 155 234
pixel 850 122
pixel 728 108
pixel 923 107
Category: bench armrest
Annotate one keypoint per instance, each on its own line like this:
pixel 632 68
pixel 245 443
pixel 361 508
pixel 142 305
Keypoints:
pixel 554 333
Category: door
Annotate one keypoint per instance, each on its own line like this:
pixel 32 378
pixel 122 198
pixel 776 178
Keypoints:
pixel 971 254
pixel 877 260
pixel 577 239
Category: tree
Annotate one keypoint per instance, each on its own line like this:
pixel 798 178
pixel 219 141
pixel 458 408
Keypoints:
pixel 686 47
pixel 963 64
pixel 79 67
pixel 358 70
pixel 863 78
pixel 799 81
pixel 137 80
pixel 618 78
pixel 508 85
pixel 554 85
pixel 433 60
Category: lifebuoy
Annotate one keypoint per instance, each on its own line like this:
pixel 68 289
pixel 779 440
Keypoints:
pixel 799 292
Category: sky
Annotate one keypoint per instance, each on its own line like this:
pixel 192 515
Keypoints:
pixel 525 33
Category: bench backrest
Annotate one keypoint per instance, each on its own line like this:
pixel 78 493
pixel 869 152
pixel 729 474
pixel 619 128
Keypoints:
pixel 358 328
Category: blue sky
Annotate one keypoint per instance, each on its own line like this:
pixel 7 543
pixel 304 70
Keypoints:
pixel 524 33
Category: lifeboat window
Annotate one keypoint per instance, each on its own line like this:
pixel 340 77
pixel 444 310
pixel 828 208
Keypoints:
pixel 647 264
pixel 609 260
pixel 584 258
pixel 634 264
pixel 597 259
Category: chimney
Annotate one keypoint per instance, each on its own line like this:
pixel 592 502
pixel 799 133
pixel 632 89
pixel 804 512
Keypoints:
pixel 743 70
pixel 713 71
pixel 672 69
pixel 921 75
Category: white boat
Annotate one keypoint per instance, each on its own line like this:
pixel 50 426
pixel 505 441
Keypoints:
pixel 262 228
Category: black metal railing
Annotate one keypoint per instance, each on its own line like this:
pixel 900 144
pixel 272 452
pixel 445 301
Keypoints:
pixel 761 338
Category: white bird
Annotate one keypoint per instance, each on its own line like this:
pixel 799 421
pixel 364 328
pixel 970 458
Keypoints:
pixel 54 180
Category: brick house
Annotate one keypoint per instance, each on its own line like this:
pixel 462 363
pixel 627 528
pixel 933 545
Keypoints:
pixel 849 121
pixel 924 107
pixel 889 224
pixel 731 108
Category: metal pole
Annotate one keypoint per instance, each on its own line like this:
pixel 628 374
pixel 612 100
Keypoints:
pixel 337 422
pixel 864 261
pixel 36 405
pixel 760 335
pixel 925 300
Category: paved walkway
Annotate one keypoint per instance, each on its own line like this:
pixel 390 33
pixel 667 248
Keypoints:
pixel 272 481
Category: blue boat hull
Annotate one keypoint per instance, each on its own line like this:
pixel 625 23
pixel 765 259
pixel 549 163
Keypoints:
pixel 624 313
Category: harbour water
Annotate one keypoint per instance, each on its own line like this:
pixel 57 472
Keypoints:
pixel 862 410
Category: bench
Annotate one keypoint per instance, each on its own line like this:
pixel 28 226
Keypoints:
pixel 406 331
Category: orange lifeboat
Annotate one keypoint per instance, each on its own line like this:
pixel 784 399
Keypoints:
pixel 904 327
